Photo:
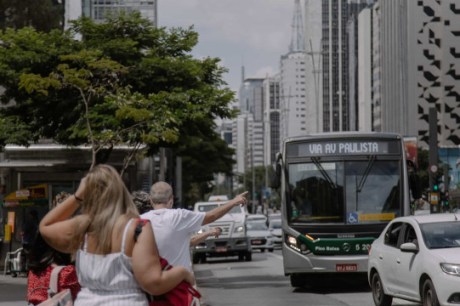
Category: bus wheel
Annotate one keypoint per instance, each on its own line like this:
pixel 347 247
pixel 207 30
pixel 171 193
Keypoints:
pixel 379 296
pixel 297 280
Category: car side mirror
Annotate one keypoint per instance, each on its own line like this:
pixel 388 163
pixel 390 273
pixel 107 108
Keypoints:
pixel 409 247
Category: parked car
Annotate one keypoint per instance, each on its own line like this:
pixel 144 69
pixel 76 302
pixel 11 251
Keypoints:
pixel 259 235
pixel 417 258
pixel 275 228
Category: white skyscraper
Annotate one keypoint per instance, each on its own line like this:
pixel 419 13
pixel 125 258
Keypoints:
pixel 98 9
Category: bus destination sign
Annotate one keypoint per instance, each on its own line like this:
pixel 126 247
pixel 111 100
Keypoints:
pixel 345 147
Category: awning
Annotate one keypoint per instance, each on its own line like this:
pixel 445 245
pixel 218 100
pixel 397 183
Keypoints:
pixel 31 163
pixel 33 195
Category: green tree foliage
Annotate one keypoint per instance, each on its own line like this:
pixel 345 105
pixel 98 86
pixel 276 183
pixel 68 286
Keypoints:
pixel 43 15
pixel 204 153
pixel 124 82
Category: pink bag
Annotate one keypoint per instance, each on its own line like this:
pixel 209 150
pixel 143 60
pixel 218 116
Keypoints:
pixel 55 298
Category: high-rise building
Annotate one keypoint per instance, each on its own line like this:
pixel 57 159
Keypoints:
pixel 293 110
pixel 364 72
pixel 334 65
pixel 272 136
pixel 419 56
pixel 313 66
pixel 338 111
pixel 99 9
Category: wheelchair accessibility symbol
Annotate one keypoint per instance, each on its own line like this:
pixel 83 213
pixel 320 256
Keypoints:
pixel 352 218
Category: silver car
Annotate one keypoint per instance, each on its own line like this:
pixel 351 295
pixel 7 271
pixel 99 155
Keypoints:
pixel 259 235
pixel 275 228
pixel 417 258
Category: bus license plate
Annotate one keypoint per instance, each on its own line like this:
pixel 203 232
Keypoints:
pixel 346 267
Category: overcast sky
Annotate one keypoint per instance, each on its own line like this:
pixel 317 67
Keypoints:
pixel 253 33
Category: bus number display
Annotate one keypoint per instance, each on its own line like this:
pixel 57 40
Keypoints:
pixel 340 148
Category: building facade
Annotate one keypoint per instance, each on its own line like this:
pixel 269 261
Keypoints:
pixel 99 9
pixel 419 55
pixel 271 127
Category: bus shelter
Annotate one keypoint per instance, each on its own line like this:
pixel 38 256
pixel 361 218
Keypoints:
pixel 29 204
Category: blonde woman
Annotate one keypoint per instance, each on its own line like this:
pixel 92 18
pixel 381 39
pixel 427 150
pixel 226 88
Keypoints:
pixel 112 266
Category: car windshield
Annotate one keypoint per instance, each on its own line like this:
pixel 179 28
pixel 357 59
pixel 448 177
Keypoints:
pixel 257 218
pixel 275 224
pixel 441 235
pixel 256 226
pixel 206 208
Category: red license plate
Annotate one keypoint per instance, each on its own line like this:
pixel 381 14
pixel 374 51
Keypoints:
pixel 221 249
pixel 256 242
pixel 346 268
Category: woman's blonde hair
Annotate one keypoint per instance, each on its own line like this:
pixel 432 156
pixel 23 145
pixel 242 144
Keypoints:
pixel 106 199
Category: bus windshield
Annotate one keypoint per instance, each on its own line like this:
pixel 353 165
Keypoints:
pixel 344 192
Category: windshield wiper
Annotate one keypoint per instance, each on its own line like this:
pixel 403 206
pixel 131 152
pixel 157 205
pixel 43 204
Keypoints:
pixel 366 173
pixel 323 172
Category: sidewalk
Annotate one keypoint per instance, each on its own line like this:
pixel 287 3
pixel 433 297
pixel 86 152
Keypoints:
pixel 12 290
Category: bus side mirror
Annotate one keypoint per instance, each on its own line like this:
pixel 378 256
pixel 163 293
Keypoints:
pixel 276 177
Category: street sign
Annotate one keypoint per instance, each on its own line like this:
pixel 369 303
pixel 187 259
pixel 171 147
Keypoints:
pixel 434 198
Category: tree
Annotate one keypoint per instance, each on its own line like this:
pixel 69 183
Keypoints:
pixel 125 82
pixel 43 15
pixel 204 153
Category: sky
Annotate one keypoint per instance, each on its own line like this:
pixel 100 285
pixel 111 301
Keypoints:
pixel 253 33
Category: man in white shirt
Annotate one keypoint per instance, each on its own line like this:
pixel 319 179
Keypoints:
pixel 174 228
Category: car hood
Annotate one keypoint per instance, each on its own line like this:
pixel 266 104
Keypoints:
pixel 450 255
pixel 258 233
pixel 277 232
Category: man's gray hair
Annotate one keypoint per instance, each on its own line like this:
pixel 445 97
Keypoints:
pixel 160 193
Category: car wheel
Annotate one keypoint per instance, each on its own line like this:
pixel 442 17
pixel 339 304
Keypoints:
pixel 248 256
pixel 379 296
pixel 270 250
pixel 196 258
pixel 429 294
pixel 262 250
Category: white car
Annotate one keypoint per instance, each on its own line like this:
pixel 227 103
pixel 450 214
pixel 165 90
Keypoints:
pixel 275 228
pixel 259 235
pixel 256 217
pixel 417 258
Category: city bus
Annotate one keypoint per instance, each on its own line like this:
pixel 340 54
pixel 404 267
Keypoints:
pixel 338 191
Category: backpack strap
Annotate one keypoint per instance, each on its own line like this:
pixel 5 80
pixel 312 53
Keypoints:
pixel 53 285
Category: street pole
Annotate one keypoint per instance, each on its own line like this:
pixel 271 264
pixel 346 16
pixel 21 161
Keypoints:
pixel 433 143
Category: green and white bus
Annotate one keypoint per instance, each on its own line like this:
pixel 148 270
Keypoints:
pixel 338 191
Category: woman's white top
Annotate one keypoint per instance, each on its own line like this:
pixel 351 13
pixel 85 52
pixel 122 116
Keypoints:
pixel 108 279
